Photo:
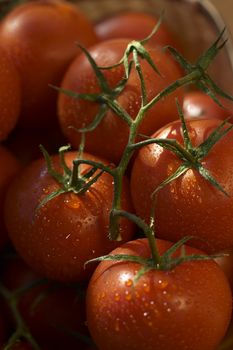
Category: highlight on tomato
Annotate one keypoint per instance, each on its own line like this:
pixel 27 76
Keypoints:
pixel 199 202
pixel 197 104
pixel 57 236
pixel 109 138
pixel 41 46
pixel 184 307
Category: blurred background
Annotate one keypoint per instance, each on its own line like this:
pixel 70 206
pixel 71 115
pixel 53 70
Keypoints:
pixel 225 8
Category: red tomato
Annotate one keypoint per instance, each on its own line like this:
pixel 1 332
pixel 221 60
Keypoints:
pixel 40 38
pixel 190 205
pixel 111 135
pixel 10 95
pixel 70 229
pixel 197 104
pixel 49 310
pixel 226 264
pixel 9 168
pixel 134 25
pixel 188 307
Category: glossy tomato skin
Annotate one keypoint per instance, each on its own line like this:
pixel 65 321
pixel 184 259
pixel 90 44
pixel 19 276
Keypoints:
pixel 226 264
pixel 197 104
pixel 41 45
pixel 10 95
pixel 134 25
pixel 189 205
pixel 111 135
pixel 49 309
pixel 62 235
pixel 10 166
pixel 188 307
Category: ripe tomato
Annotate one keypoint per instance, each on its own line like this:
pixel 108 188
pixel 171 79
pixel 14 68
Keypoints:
pixel 40 38
pixel 187 307
pixel 226 264
pixel 111 135
pixel 10 95
pixel 190 205
pixel 50 310
pixel 9 168
pixel 70 229
pixel 134 25
pixel 197 104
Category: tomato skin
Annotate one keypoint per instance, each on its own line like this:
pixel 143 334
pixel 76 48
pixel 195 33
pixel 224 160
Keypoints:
pixel 226 264
pixel 112 131
pixel 134 25
pixel 70 229
pixel 9 169
pixel 197 104
pixel 41 45
pixel 188 307
pixel 10 95
pixel 189 205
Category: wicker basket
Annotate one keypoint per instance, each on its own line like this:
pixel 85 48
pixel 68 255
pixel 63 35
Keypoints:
pixel 195 22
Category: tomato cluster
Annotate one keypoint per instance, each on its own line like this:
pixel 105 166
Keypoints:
pixel 116 187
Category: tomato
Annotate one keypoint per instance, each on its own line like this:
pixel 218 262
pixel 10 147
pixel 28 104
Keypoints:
pixel 197 104
pixel 40 38
pixel 111 135
pixel 62 235
pixel 134 25
pixel 187 307
pixel 50 310
pixel 8 170
pixel 10 95
pixel 190 205
pixel 226 264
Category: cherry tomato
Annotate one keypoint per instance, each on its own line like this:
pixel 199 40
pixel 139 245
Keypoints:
pixel 110 137
pixel 190 205
pixel 10 166
pixel 52 311
pixel 197 104
pixel 10 95
pixel 187 307
pixel 134 25
pixel 40 38
pixel 57 239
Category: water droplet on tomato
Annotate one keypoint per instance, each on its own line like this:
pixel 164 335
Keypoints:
pixel 129 283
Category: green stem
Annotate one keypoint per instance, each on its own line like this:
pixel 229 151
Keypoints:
pixel 147 230
pixel 22 330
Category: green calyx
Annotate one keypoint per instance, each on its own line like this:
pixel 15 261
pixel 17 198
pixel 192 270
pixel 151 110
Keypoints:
pixel 192 156
pixel 72 180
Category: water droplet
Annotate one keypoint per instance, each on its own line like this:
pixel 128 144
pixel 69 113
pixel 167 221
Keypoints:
pixel 128 296
pixel 163 284
pixel 129 283
pixel 117 296
pixel 146 287
pixel 102 295
pixel 68 235
pixel 168 309
pixel 145 314
pixel 117 325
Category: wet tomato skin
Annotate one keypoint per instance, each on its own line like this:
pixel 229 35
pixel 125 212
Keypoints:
pixel 188 307
pixel 70 229
pixel 110 137
pixel 190 205
pixel 40 38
